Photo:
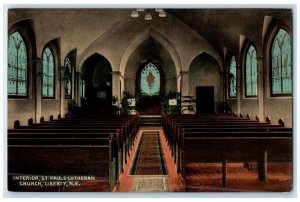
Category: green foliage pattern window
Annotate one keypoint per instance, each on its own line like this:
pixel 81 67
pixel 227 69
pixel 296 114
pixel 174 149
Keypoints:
pixel 17 66
pixel 150 80
pixel 251 72
pixel 232 78
pixel 68 78
pixel 48 74
pixel 281 64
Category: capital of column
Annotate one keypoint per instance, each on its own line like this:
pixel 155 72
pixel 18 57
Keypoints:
pixel 259 57
pixel 116 73
pixel 37 60
pixel 184 72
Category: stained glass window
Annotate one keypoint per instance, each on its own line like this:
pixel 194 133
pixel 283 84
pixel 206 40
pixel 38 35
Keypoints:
pixel 17 65
pixel 251 72
pixel 232 78
pixel 48 74
pixel 150 80
pixel 81 88
pixel 68 78
pixel 281 63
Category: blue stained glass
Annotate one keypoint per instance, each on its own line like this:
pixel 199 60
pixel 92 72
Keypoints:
pixel 68 77
pixel 251 72
pixel 232 78
pixel 150 80
pixel 17 65
pixel 48 84
pixel 281 63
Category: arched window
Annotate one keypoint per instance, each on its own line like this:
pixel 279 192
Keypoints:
pixel 48 74
pixel 68 78
pixel 251 72
pixel 232 77
pixel 281 64
pixel 17 65
pixel 150 80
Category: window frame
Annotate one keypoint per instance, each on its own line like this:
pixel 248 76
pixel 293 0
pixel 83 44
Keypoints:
pixel 246 50
pixel 54 74
pixel 270 68
pixel 228 77
pixel 70 79
pixel 27 65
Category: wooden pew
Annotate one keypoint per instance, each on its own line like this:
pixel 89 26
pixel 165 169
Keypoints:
pixel 219 147
pixel 61 157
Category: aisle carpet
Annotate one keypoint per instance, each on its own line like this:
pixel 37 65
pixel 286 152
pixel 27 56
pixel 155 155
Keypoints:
pixel 149 158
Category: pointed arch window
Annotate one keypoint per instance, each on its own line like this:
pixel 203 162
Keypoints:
pixel 251 72
pixel 281 72
pixel 232 78
pixel 150 80
pixel 17 65
pixel 48 74
pixel 68 78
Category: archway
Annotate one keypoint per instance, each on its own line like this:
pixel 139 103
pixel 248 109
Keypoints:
pixel 150 57
pixel 204 83
pixel 150 86
pixel 96 73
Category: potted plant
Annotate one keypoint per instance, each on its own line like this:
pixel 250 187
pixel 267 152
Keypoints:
pixel 127 105
pixel 171 103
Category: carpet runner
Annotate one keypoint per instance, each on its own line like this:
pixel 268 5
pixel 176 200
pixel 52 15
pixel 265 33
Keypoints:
pixel 149 158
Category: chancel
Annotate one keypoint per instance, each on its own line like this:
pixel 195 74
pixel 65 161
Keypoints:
pixel 150 100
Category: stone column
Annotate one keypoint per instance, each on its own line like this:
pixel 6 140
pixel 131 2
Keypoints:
pixel 239 92
pixel 63 104
pixel 38 89
pixel 223 86
pixel 178 82
pixel 184 86
pixel 116 86
pixel 260 87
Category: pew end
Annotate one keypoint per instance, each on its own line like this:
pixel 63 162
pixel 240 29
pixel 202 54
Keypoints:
pixel 51 118
pixel 30 121
pixel 17 124
pixel 42 119
pixel 281 122
pixel 268 120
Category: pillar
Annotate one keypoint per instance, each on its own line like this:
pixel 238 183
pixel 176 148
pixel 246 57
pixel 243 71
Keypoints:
pixel 184 86
pixel 116 85
pixel 260 87
pixel 38 89
pixel 222 86
pixel 63 104
pixel 239 92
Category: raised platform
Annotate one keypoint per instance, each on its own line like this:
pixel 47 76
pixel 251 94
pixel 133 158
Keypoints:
pixel 150 121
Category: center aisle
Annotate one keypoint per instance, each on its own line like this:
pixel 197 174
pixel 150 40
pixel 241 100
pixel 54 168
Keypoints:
pixel 151 163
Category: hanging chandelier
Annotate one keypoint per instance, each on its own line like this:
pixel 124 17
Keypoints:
pixel 148 16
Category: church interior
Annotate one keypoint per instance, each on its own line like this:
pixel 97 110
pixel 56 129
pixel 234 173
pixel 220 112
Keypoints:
pixel 150 100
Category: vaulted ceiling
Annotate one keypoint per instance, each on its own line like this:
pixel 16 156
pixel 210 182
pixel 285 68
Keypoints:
pixel 222 27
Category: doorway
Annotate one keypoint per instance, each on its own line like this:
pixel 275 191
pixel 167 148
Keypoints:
pixel 205 101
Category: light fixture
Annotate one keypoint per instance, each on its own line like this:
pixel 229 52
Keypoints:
pixel 162 13
pixel 148 16
pixel 134 13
